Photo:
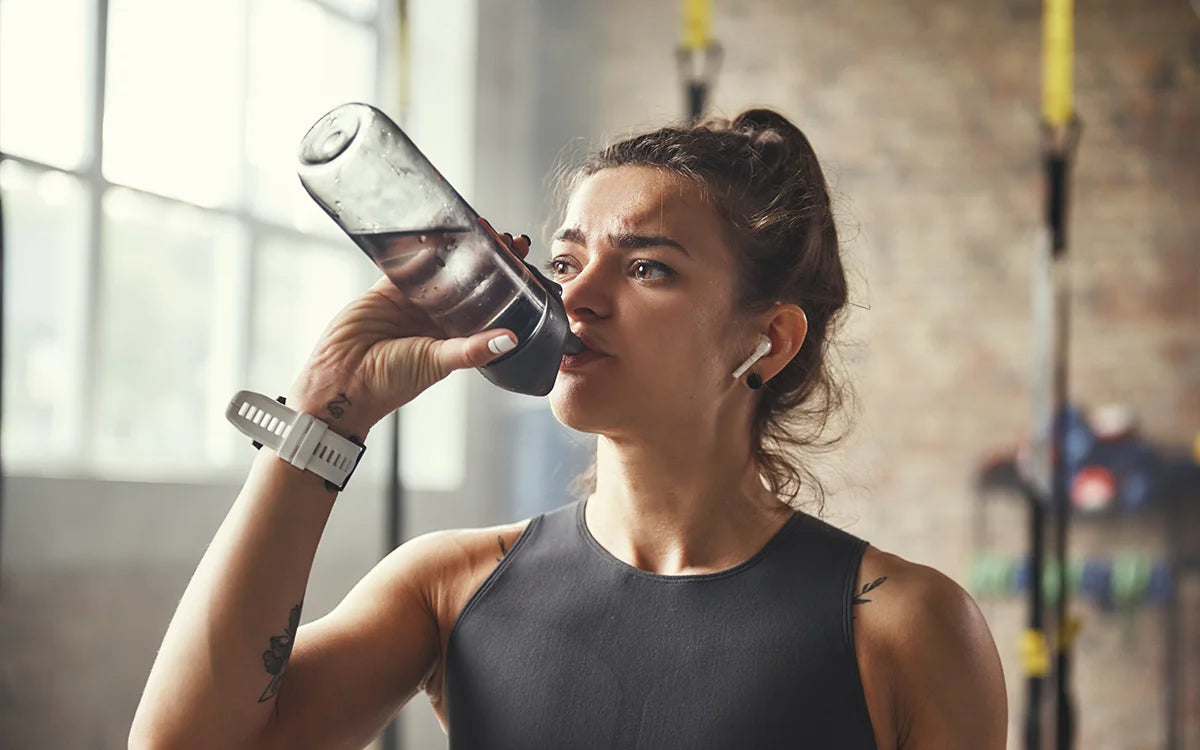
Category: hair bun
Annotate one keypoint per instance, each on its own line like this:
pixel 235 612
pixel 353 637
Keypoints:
pixel 753 120
pixel 771 134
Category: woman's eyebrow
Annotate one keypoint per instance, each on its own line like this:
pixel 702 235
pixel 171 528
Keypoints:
pixel 570 234
pixel 632 241
pixel 623 240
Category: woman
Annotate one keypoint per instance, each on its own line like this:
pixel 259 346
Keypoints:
pixel 683 603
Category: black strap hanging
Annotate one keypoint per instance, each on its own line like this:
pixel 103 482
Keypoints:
pixel 1049 491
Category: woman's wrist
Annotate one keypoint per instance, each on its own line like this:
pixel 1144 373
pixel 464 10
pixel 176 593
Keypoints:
pixel 336 408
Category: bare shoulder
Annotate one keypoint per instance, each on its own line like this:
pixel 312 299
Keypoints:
pixel 909 594
pixel 428 574
pixel 450 564
pixel 928 662
pixel 907 611
pixel 422 584
pixel 452 546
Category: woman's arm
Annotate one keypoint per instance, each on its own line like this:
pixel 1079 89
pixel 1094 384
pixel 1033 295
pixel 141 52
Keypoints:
pixel 350 671
pixel 223 658
pixel 929 664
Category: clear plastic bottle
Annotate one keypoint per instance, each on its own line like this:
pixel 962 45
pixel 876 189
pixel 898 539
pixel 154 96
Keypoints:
pixel 382 191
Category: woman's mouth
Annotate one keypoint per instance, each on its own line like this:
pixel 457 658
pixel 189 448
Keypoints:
pixel 580 360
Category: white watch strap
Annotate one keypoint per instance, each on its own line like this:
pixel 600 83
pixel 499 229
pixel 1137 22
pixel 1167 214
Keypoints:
pixel 300 439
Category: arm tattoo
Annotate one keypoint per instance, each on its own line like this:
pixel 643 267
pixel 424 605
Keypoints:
pixel 858 599
pixel 503 551
pixel 335 406
pixel 275 659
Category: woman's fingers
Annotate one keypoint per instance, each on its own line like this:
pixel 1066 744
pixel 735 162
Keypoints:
pixel 519 245
pixel 484 347
pixel 467 352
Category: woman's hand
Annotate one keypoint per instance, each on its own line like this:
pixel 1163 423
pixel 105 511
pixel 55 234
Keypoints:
pixel 380 352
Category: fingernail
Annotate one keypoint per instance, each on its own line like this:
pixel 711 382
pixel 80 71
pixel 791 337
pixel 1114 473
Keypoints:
pixel 501 344
pixel 527 240
pixel 508 238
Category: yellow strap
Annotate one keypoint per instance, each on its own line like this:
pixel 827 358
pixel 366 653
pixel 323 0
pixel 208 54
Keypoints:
pixel 697 24
pixel 1070 631
pixel 1035 656
pixel 1057 50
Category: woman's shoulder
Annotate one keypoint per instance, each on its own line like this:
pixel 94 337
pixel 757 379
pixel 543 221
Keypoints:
pixel 448 566
pixel 450 555
pixel 903 588
pixel 924 648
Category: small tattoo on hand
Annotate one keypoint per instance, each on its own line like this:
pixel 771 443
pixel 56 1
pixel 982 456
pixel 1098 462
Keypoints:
pixel 858 599
pixel 335 406
pixel 503 551
pixel 276 658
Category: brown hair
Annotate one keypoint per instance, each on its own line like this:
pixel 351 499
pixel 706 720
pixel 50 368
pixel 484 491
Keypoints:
pixel 761 174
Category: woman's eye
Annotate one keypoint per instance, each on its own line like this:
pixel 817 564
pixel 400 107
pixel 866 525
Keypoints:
pixel 555 266
pixel 641 265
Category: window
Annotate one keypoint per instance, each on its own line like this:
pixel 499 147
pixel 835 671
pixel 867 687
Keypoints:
pixel 46 53
pixel 172 97
pixel 305 284
pixel 45 225
pixel 159 251
pixel 162 262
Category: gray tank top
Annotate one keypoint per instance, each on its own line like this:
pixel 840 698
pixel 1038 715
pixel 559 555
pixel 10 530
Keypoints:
pixel 565 647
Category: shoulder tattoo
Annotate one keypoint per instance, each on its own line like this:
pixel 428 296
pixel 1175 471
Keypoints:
pixel 858 598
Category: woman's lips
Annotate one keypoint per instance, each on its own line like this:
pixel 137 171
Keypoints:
pixel 581 360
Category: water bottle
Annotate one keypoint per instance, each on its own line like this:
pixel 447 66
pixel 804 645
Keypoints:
pixel 382 191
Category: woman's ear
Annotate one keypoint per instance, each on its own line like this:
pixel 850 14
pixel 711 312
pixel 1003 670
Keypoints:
pixel 787 328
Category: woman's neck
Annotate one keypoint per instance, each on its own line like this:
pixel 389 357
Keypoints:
pixel 681 505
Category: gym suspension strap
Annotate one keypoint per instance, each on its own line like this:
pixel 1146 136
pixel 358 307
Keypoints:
pixel 2 285
pixel 391 738
pixel 698 55
pixel 1049 495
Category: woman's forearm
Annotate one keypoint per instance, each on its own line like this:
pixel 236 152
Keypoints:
pixel 223 657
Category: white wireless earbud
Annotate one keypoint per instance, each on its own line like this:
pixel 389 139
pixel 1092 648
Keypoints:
pixel 760 351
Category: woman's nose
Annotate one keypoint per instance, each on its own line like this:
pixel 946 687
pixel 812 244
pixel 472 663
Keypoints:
pixel 587 293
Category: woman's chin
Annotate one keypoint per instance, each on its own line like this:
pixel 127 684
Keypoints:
pixel 579 410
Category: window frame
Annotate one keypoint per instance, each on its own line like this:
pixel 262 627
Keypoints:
pixel 254 227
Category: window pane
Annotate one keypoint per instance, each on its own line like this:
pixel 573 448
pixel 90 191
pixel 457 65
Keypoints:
pixel 160 294
pixel 300 287
pixel 362 9
pixel 433 435
pixel 304 62
pixel 45 226
pixel 173 95
pixel 45 81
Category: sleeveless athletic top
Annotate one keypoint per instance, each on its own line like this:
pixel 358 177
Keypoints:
pixel 565 647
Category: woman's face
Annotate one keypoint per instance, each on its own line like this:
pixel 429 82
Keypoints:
pixel 648 280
